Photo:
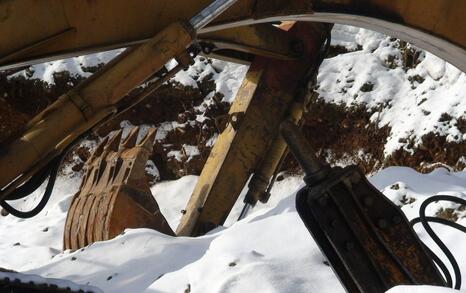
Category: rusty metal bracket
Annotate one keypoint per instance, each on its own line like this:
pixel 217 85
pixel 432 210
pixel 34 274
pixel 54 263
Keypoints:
pixel 265 98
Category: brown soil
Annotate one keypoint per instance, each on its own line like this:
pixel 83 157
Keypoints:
pixel 433 149
pixel 174 102
pixel 345 132
pixel 342 132
pixel 21 99
pixel 339 134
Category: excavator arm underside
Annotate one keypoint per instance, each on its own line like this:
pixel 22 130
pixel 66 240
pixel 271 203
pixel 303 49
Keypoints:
pixel 79 27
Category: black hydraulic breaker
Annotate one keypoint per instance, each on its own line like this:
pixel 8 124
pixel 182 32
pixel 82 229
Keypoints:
pixel 366 238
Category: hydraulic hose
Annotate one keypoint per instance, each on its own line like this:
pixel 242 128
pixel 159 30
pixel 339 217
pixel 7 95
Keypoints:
pixel 50 171
pixel 45 198
pixel 425 221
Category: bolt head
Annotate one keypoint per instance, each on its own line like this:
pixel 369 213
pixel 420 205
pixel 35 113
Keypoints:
pixel 368 201
pixel 382 223
pixel 323 201
pixel 397 219
pixel 350 245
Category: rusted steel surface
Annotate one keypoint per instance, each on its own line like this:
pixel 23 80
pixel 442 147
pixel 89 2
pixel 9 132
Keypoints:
pixel 366 238
pixel 393 228
pixel 114 194
pixel 373 246
pixel 264 98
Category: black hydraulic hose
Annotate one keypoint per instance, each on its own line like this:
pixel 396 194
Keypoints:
pixel 51 170
pixel 441 265
pixel 441 221
pixel 45 198
pixel 425 221
pixel 32 184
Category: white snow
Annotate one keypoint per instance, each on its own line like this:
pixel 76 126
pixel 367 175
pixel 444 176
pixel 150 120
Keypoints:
pixel 75 66
pixel 186 154
pixel 152 170
pixel 269 251
pixel 411 109
pixel 59 283
pixel 227 76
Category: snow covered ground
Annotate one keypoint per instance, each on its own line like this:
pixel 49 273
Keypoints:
pixel 412 101
pixel 269 251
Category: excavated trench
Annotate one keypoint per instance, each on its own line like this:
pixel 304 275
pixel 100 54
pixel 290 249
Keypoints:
pixel 342 135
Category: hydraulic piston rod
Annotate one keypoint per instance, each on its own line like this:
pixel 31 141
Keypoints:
pixel 210 13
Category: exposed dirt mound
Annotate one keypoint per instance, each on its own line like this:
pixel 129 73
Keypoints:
pixel 433 150
pixel 344 135
pixel 191 119
pixel 22 98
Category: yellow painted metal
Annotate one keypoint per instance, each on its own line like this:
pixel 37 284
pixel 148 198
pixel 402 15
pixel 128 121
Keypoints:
pixel 106 24
pixel 98 24
pixel 270 163
pixel 83 107
pixel 262 102
pixel 33 31
pixel 215 167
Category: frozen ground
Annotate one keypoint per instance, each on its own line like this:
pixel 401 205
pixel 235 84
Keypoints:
pixel 269 251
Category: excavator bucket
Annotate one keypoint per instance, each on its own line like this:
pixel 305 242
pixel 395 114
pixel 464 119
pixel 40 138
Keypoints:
pixel 114 194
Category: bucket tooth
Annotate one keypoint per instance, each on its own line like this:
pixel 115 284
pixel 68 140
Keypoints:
pixel 131 139
pixel 98 151
pixel 148 140
pixel 114 142
pixel 115 193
